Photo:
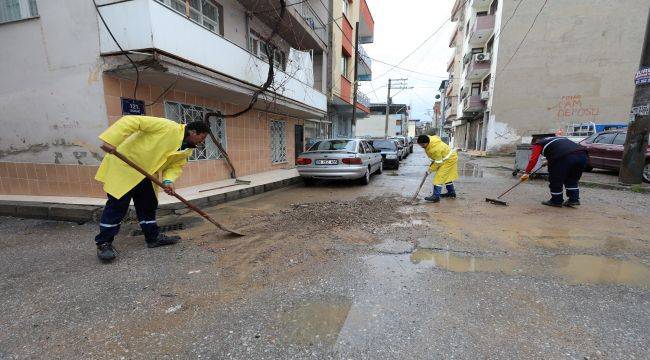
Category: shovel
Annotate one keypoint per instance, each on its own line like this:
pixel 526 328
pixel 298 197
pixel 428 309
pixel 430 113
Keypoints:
pixel 159 183
pixel 498 200
pixel 424 178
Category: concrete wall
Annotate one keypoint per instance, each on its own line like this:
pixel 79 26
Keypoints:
pixel 577 64
pixel 51 90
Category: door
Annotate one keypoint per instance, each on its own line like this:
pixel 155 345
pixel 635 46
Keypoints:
pixel 616 153
pixel 299 143
pixel 599 150
pixel 372 156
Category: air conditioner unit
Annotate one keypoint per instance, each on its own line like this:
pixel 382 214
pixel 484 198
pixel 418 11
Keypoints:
pixel 482 57
pixel 485 95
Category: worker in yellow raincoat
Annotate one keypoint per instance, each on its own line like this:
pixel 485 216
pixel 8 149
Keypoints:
pixel 444 162
pixel 159 146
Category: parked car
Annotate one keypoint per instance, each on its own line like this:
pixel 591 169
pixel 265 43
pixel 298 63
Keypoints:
pixel 408 144
pixel 340 159
pixel 389 151
pixel 605 151
pixel 403 148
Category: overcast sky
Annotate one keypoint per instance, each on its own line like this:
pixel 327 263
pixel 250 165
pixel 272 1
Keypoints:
pixel 400 26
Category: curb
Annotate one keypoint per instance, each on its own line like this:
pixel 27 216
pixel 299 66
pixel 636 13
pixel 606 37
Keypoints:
pixel 91 213
pixel 638 189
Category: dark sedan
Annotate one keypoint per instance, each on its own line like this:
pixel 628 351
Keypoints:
pixel 606 151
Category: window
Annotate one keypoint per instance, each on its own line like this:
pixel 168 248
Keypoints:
pixel 278 142
pixel 184 113
pixel 344 66
pixel 333 145
pixel 481 13
pixel 494 6
pixel 607 138
pixel 258 47
pixel 346 8
pixel 12 10
pixel 486 83
pixel 476 89
pixel 206 13
pixel 620 139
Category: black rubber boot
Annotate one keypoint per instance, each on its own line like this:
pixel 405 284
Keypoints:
pixel 432 198
pixel 163 240
pixel 105 252
pixel 448 195
pixel 551 203
pixel 572 203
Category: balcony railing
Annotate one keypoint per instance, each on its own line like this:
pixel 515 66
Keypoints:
pixel 478 69
pixel 481 29
pixel 313 20
pixel 473 103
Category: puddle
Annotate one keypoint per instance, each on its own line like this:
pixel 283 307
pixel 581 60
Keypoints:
pixel 315 322
pixel 573 269
pixel 474 171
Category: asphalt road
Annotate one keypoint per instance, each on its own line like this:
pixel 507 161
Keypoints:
pixel 344 271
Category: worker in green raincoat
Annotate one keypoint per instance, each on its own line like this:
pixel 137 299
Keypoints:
pixel 159 146
pixel 444 163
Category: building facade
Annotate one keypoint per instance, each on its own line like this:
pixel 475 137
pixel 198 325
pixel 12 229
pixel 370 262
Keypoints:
pixel 523 68
pixel 374 125
pixel 66 80
pixel 345 15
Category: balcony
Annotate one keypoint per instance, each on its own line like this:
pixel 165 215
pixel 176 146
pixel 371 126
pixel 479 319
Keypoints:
pixel 481 30
pixel 364 72
pixel 147 25
pixel 481 4
pixel 346 89
pixel 454 38
pixel 451 62
pixel 366 24
pixel 347 37
pixel 477 70
pixel 302 27
pixel 473 103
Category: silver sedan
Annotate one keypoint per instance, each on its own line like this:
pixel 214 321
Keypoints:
pixel 340 159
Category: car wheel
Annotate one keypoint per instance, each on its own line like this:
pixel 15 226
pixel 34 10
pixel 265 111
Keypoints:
pixel 589 168
pixel 646 173
pixel 381 168
pixel 365 180
pixel 397 165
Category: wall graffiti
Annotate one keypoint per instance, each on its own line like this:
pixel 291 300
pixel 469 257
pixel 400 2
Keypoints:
pixel 572 108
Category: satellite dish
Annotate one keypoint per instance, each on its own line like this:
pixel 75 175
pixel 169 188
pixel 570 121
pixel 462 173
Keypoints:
pixel 437 96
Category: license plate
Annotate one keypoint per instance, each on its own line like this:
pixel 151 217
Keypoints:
pixel 327 162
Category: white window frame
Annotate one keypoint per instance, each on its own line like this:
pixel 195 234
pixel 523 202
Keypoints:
pixel 195 13
pixel 186 113
pixel 345 68
pixel 346 8
pixel 25 8
pixel 278 135
pixel 257 47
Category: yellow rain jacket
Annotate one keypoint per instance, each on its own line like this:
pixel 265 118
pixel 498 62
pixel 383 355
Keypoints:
pixel 150 142
pixel 444 161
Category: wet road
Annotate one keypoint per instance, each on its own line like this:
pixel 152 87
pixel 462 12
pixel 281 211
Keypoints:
pixel 344 271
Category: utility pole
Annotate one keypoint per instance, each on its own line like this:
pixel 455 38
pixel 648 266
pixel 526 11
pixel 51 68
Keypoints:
pixel 387 110
pixel 636 142
pixel 356 81
pixel 393 84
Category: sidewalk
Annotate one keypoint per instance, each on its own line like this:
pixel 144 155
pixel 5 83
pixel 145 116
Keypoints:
pixel 84 209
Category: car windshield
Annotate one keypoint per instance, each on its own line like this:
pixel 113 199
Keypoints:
pixel 384 144
pixel 333 145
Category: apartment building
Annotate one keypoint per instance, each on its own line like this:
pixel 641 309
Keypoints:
pixel 65 81
pixel 345 15
pixel 576 64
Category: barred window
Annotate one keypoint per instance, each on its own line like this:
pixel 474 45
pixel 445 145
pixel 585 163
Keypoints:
pixel 184 114
pixel 278 142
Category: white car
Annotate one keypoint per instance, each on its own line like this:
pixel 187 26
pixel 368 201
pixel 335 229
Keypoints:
pixel 340 159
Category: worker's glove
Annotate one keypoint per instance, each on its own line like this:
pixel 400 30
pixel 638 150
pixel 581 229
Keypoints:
pixel 524 177
pixel 544 163
pixel 168 186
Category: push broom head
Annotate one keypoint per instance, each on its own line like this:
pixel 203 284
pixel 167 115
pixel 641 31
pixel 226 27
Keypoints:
pixel 496 201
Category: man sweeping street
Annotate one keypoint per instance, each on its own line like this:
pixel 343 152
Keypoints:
pixel 566 162
pixel 159 146
pixel 444 162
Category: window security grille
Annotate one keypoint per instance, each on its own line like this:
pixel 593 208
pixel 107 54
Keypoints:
pixel 184 114
pixel 278 142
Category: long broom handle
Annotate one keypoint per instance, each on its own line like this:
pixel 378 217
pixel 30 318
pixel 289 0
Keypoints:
pixel 159 183
pixel 426 174
pixel 519 183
